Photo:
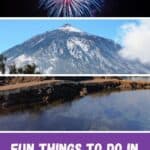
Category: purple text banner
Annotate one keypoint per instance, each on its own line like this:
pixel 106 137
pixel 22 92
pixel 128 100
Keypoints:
pixel 74 141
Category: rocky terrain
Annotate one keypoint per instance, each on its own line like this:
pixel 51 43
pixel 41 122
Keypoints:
pixel 44 90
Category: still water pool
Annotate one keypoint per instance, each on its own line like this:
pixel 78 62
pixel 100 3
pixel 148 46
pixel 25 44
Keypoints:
pixel 129 110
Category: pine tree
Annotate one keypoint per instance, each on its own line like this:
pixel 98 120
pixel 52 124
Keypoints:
pixel 30 69
pixel 2 64
pixel 13 69
pixel 27 69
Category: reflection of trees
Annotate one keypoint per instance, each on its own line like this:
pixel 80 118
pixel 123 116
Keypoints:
pixel 104 93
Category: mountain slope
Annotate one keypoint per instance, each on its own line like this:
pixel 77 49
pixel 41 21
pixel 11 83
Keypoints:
pixel 70 50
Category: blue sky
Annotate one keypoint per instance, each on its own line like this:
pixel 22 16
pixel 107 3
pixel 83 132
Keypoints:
pixel 13 32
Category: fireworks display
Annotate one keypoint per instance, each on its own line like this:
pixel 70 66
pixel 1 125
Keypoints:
pixel 72 8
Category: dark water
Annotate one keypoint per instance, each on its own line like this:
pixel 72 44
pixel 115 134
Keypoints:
pixel 102 111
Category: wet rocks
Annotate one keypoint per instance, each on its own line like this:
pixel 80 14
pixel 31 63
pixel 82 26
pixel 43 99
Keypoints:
pixel 64 91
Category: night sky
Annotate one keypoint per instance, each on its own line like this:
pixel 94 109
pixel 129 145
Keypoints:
pixel 113 8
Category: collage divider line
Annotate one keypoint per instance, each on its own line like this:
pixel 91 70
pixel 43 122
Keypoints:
pixel 74 75
pixel 74 18
pixel 76 132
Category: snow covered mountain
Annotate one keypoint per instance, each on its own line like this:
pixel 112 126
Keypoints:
pixel 68 50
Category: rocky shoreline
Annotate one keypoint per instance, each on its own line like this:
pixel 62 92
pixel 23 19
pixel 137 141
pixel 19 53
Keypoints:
pixel 44 92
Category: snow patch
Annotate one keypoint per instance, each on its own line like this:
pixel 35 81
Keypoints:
pixel 23 60
pixel 69 28
pixel 39 41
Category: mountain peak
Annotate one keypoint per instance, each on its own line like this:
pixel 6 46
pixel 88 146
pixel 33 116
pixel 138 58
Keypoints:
pixel 69 28
pixel 68 50
pixel 67 25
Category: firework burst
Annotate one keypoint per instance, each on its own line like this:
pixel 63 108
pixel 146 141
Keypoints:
pixel 71 8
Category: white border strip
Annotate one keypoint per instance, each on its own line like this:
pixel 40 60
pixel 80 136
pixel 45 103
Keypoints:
pixel 74 18
pixel 68 132
pixel 74 75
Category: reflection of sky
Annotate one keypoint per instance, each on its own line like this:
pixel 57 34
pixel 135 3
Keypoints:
pixel 117 111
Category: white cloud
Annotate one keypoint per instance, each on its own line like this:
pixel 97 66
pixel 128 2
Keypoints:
pixel 136 41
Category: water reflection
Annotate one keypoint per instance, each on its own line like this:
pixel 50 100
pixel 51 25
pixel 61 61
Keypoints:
pixel 102 111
